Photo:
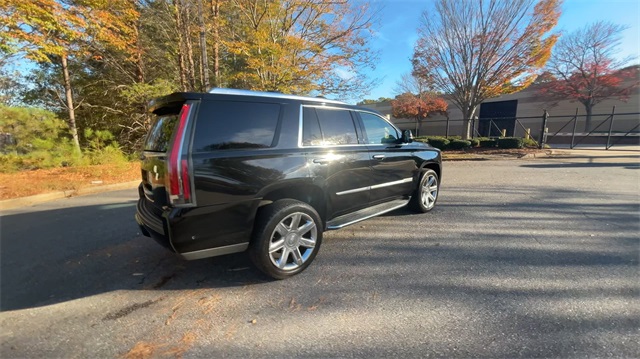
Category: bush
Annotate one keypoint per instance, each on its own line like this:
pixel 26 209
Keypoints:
pixel 438 142
pixel 474 142
pixel 510 142
pixel 33 138
pixel 530 142
pixel 103 148
pixel 458 144
pixel 486 142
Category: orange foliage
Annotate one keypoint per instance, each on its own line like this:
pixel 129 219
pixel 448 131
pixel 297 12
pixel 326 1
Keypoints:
pixel 475 50
pixel 45 28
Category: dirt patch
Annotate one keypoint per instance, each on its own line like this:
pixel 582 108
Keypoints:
pixel 29 183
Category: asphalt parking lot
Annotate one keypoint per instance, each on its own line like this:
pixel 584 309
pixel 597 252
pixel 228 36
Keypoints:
pixel 521 258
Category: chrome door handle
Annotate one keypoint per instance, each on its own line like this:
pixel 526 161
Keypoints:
pixel 378 157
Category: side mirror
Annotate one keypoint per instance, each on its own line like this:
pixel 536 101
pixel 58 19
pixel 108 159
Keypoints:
pixel 407 136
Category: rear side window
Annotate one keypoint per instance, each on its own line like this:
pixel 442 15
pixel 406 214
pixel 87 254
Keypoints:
pixel 234 125
pixel 323 126
pixel 160 133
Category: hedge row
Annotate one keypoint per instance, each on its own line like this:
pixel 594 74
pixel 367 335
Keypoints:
pixel 455 143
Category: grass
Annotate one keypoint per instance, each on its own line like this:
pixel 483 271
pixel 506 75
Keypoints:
pixel 28 183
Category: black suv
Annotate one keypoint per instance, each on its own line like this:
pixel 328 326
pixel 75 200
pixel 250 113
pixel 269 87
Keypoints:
pixel 235 170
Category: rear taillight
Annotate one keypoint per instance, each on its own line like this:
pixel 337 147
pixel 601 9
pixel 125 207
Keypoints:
pixel 179 185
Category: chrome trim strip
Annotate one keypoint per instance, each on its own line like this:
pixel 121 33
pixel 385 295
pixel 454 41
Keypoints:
pixel 225 91
pixel 213 252
pixel 387 184
pixel 381 185
pixel 356 190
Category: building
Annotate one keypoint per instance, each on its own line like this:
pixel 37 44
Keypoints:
pixel 521 111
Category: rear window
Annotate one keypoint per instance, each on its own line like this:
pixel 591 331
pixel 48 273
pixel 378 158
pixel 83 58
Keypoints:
pixel 234 125
pixel 161 132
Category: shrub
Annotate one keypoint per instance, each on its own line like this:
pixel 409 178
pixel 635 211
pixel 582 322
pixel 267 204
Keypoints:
pixel 438 142
pixel 474 142
pixel 530 142
pixel 103 148
pixel 458 144
pixel 510 142
pixel 33 138
pixel 485 142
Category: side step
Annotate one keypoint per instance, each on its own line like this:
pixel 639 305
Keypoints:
pixel 366 213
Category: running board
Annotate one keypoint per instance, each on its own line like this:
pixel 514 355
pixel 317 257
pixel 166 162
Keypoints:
pixel 366 213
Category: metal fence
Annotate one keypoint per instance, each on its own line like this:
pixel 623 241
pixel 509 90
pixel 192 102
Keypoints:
pixel 603 129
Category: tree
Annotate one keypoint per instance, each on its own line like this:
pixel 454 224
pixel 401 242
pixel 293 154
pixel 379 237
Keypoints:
pixel 418 107
pixel 55 31
pixel 368 101
pixel 586 69
pixel 475 50
pixel 300 46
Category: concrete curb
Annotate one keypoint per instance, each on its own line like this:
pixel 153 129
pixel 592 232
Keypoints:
pixel 45 197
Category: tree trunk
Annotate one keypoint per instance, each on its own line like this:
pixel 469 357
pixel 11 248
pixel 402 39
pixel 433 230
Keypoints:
pixel 467 113
pixel 69 97
pixel 192 67
pixel 416 131
pixel 215 6
pixel 587 123
pixel 203 48
pixel 177 9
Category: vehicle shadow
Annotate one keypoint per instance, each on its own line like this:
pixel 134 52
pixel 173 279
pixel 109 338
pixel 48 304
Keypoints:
pixel 53 256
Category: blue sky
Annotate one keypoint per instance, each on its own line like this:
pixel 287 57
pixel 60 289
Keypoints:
pixel 397 32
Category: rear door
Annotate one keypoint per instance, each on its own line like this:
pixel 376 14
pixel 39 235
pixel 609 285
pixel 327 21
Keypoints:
pixel 337 160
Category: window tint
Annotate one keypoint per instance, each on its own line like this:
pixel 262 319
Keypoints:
pixel 228 125
pixel 337 127
pixel 311 135
pixel 378 130
pixel 160 133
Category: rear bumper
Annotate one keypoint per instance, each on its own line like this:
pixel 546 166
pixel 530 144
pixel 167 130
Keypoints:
pixel 152 226
pixel 196 233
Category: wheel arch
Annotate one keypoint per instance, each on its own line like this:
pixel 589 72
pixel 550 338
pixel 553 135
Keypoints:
pixel 303 192
pixel 432 166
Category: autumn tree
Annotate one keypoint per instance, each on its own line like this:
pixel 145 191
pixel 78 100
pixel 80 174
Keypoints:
pixel 586 69
pixel 56 31
pixel 475 50
pixel 300 46
pixel 418 107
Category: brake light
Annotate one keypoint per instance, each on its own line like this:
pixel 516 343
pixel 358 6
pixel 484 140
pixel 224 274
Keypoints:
pixel 178 168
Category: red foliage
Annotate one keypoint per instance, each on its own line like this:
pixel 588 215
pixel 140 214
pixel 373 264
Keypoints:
pixel 418 107
pixel 592 84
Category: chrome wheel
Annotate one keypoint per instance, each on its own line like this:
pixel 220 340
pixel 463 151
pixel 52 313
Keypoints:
pixel 429 190
pixel 292 241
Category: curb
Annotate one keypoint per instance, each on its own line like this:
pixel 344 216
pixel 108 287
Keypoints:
pixel 45 197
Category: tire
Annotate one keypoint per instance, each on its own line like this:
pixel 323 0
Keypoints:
pixel 286 227
pixel 424 198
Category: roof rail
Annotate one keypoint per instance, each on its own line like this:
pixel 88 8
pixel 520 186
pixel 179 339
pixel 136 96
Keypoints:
pixel 225 91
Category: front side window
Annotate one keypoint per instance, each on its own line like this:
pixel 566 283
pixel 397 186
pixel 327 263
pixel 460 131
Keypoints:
pixel 377 129
pixel 235 125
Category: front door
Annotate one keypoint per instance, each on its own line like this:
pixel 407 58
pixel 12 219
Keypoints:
pixel 392 163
